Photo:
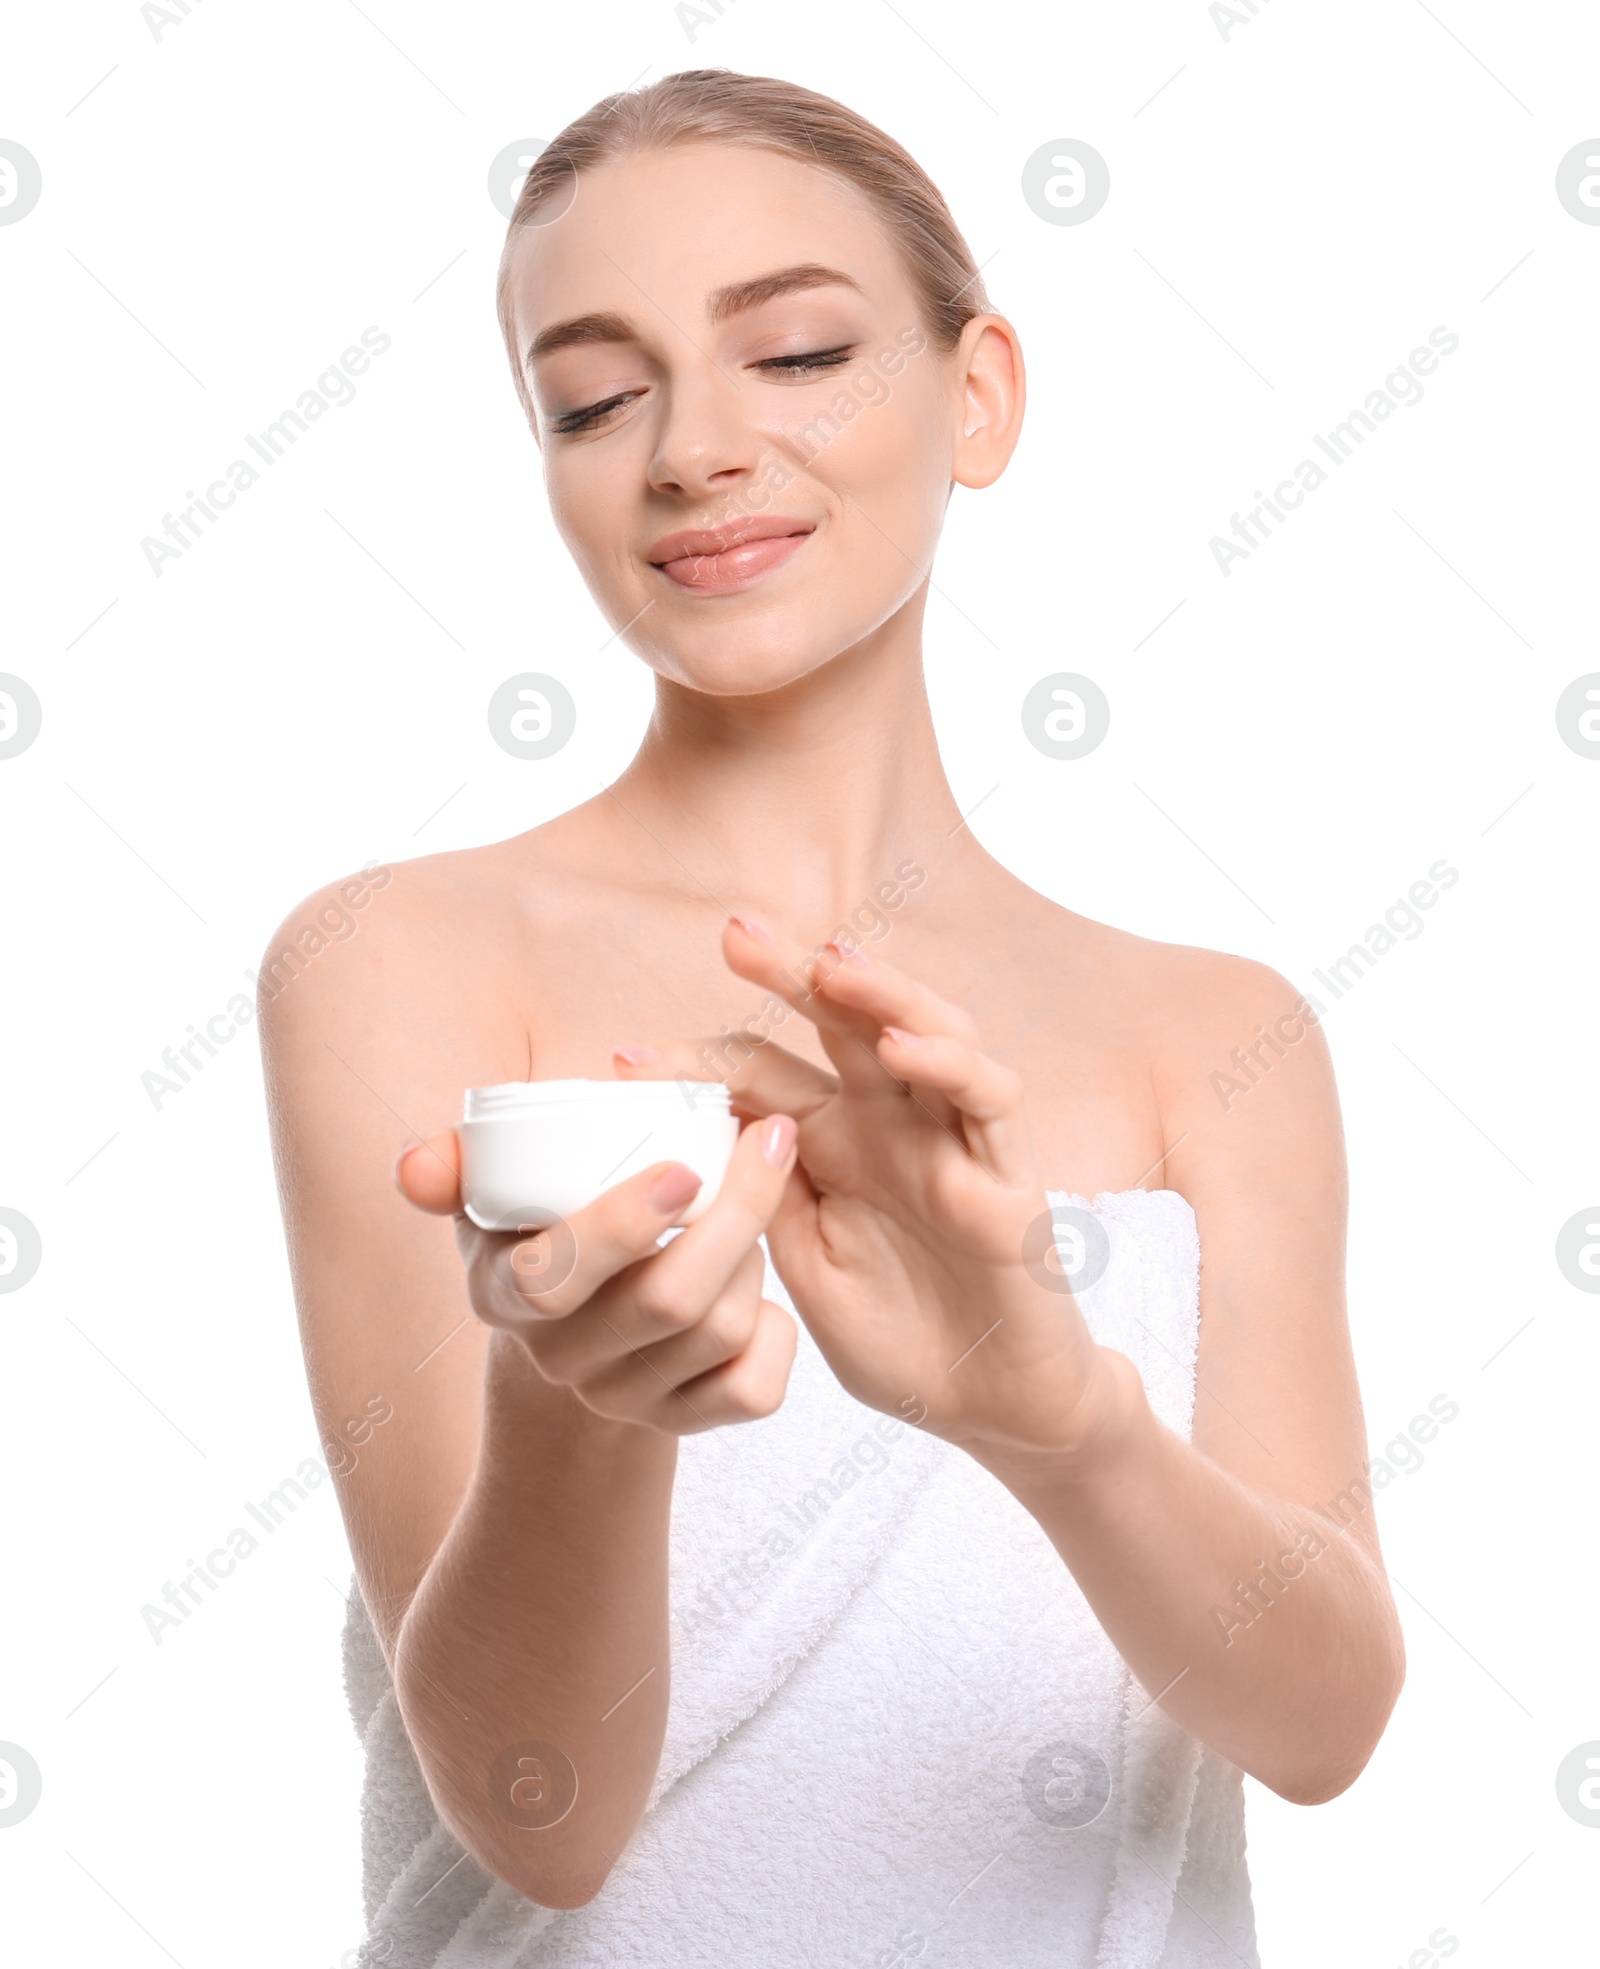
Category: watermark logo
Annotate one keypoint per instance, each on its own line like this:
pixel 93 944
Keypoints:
pixel 1066 182
pixel 907 1945
pixel 21 715
pixel 1066 716
pixel 532 716
pixel 1066 1784
pixel 1578 181
pixel 20 1250
pixel 21 1784
pixel 1577 715
pixel 548 1255
pixel 533 1785
pixel 508 170
pixel 375 1949
pixel 1066 1249
pixel 20 182
pixel 1577 1783
pixel 1577 1250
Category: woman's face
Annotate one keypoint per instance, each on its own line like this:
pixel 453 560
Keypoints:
pixel 748 437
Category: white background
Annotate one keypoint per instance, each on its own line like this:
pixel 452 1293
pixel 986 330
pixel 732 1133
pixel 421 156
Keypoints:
pixel 225 208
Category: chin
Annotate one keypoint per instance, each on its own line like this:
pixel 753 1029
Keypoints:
pixel 738 667
pixel 748 652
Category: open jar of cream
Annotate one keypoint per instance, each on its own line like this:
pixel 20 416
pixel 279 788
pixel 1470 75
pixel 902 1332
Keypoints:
pixel 535 1150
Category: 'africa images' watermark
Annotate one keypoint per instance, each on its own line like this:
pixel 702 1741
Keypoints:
pixel 735 1590
pixel 333 390
pixel 1400 1458
pixel 1402 386
pixel 333 923
pixel 722 1057
pixel 1257 1057
pixel 181 1599
pixel 865 386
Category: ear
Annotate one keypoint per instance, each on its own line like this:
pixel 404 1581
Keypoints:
pixel 991 394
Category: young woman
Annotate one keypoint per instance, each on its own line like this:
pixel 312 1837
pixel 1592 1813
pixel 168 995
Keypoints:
pixel 940 1621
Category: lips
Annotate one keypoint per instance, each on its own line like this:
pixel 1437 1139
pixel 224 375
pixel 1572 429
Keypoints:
pixel 716 559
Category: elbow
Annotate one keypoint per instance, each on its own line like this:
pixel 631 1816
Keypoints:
pixel 564 1888
pixel 559 1866
pixel 515 1809
pixel 1314 1787
pixel 553 1877
pixel 1317 1778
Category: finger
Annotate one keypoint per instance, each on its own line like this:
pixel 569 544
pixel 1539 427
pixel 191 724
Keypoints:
pixel 762 1077
pixel 752 1385
pixel 987 1096
pixel 887 996
pixel 797 1250
pixel 982 1089
pixel 673 1291
pixel 959 1087
pixel 553 1272
pixel 590 1353
pixel 428 1173
pixel 754 953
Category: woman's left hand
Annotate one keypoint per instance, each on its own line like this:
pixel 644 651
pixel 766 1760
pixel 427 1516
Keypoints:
pixel 914 1236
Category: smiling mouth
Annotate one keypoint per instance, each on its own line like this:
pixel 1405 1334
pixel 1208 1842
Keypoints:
pixel 714 560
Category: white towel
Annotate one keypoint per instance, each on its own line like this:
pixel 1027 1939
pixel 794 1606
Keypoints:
pixel 831 1540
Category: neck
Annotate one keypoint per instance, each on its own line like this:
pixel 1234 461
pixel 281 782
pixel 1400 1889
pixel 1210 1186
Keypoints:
pixel 796 805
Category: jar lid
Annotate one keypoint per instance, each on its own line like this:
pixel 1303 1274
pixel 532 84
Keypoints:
pixel 524 1097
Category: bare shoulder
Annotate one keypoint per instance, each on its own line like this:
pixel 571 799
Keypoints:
pixel 383 921
pixel 430 946
pixel 1249 1119
pixel 1217 1018
pixel 1210 1026
pixel 1229 1059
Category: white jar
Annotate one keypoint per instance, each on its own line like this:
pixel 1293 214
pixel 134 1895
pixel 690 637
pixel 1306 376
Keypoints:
pixel 533 1150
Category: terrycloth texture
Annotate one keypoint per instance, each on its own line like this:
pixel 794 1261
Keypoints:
pixel 885 1687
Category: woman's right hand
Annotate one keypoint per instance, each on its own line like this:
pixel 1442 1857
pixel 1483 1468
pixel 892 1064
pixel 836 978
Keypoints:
pixel 675 1339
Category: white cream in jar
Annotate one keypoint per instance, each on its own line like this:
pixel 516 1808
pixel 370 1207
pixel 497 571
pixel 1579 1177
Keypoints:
pixel 533 1150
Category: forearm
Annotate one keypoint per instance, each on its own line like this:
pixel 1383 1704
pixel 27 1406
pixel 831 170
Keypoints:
pixel 542 1610
pixel 1265 1628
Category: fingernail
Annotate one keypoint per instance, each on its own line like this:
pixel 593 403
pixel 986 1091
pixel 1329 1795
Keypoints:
pixel 777 1139
pixel 672 1189
pixel 905 1038
pixel 754 929
pixel 399 1161
pixel 849 953
pixel 636 1056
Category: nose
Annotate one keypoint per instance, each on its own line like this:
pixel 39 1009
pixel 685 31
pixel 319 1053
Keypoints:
pixel 705 448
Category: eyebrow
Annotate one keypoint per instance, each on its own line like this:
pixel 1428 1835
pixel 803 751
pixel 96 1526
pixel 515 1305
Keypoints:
pixel 725 303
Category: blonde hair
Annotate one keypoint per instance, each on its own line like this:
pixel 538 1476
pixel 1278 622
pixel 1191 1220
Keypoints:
pixel 717 106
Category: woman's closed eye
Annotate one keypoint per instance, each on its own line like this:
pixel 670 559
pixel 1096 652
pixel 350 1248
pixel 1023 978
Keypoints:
pixel 593 415
pixel 806 363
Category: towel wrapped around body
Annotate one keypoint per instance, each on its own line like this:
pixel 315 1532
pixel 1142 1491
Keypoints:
pixel 896 1731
